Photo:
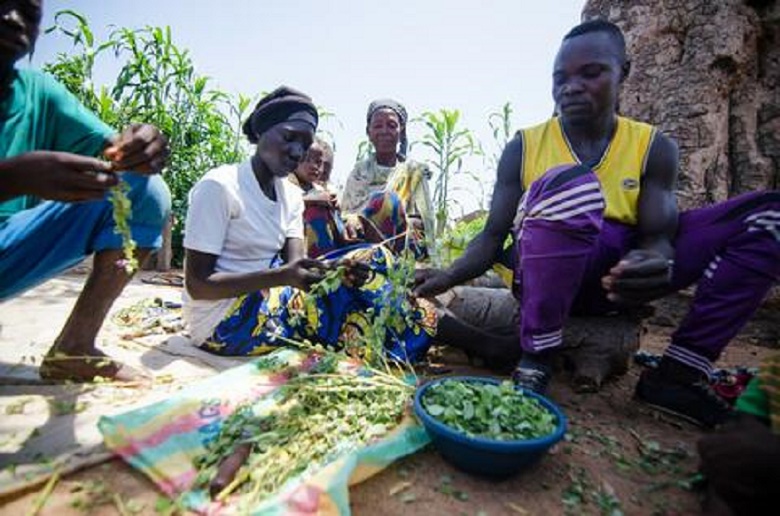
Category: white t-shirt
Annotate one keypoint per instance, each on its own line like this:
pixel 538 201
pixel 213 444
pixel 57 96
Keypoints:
pixel 230 217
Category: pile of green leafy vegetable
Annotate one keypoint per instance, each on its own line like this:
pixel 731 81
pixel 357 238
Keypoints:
pixel 487 410
pixel 318 417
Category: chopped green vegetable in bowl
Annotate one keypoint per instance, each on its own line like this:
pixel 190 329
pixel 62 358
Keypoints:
pixel 486 410
pixel 488 427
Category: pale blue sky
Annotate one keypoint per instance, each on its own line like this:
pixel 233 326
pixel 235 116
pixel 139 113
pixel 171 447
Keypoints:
pixel 428 54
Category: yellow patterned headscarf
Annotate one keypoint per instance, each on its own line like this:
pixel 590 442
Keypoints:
pixel 409 181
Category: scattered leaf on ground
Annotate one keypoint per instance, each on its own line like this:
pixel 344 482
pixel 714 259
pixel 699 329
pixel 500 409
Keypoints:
pixel 17 407
pixel 408 497
pixel 517 508
pixel 65 407
pixel 400 486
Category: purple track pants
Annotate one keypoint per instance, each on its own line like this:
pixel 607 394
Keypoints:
pixel 564 248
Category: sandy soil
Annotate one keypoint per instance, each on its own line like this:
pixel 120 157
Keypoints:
pixel 618 457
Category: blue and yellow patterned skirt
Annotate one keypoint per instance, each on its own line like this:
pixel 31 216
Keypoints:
pixel 262 321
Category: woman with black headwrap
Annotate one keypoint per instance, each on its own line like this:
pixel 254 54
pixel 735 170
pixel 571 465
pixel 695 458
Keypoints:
pixel 386 189
pixel 245 270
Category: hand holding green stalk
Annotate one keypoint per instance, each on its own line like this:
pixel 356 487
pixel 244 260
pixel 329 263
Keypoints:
pixel 143 149
pixel 351 273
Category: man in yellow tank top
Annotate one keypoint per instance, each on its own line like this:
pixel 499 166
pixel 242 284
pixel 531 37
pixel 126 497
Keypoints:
pixel 590 197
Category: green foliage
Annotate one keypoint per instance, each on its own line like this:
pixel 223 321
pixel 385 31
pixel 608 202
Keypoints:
pixel 500 123
pixel 326 119
pixel 450 144
pixel 394 312
pixel 363 150
pixel 453 242
pixel 479 409
pixel 156 84
pixel 121 208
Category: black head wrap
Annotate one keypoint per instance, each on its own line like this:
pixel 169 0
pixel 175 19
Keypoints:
pixel 400 110
pixel 276 107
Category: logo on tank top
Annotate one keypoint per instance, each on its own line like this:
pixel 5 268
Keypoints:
pixel 630 184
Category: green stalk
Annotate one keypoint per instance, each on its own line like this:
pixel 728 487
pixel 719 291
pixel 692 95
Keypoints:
pixel 122 211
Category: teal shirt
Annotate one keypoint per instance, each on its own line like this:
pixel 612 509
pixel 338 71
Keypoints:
pixel 41 114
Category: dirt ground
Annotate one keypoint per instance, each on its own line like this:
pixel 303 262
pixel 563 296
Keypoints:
pixel 618 456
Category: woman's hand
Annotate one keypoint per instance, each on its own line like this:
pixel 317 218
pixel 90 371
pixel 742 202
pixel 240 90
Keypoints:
pixel 334 200
pixel 303 273
pixel 353 228
pixel 306 272
pixel 356 273
pixel 415 226
pixel 321 198
pixel 140 148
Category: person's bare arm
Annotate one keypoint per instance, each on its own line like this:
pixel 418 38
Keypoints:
pixel 67 177
pixel 293 250
pixel 482 251
pixel 658 212
pixel 203 282
pixel 644 273
pixel 319 198
pixel 59 176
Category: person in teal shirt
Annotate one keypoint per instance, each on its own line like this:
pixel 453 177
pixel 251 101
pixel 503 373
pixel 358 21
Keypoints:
pixel 53 149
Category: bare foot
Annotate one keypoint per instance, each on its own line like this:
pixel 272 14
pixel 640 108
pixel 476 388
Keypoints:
pixel 58 366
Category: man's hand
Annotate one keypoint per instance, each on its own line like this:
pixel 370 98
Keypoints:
pixel 58 176
pixel 640 276
pixel 431 282
pixel 140 148
pixel 304 273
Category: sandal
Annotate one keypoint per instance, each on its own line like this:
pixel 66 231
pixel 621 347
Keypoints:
pixel 168 279
pixel 84 369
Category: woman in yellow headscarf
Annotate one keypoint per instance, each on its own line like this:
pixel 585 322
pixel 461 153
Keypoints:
pixel 386 194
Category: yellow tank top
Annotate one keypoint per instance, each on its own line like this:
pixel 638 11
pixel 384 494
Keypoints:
pixel 619 171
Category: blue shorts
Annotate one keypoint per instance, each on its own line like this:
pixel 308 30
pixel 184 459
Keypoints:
pixel 39 243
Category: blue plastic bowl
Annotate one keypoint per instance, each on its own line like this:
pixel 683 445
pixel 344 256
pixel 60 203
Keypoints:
pixel 481 456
